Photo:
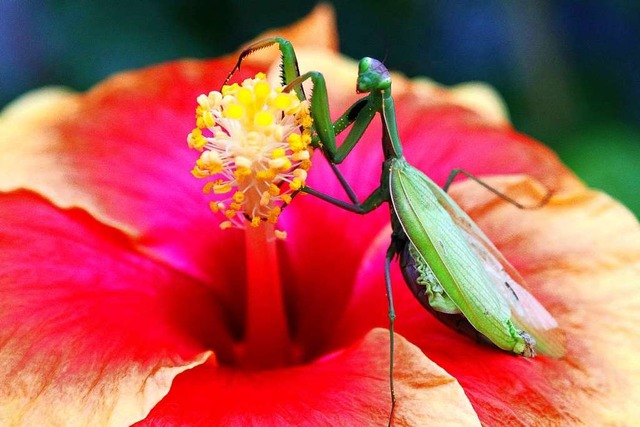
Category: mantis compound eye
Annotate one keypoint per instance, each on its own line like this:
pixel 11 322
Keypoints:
pixel 372 75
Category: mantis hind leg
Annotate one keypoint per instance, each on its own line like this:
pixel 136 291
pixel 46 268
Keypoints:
pixel 392 316
pixel 454 173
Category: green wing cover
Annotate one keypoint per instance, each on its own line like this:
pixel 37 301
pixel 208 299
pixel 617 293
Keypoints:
pixel 442 245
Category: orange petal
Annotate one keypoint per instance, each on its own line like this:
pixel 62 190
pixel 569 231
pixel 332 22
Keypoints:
pixel 317 30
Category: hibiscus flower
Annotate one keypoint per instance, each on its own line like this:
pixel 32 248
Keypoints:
pixel 122 301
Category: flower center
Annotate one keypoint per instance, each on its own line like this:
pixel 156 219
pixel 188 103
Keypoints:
pixel 254 143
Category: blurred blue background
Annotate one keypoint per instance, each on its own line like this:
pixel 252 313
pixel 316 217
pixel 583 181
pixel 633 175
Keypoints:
pixel 568 70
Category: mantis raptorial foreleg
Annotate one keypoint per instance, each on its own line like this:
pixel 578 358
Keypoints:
pixel 325 130
pixel 358 116
pixel 290 69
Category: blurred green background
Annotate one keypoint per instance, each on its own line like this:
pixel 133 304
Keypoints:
pixel 568 70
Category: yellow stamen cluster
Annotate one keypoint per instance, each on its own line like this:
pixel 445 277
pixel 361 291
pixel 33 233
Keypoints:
pixel 254 143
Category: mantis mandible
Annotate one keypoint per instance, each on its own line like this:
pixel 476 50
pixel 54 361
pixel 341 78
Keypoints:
pixel 450 265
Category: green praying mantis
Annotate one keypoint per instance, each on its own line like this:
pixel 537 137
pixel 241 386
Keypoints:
pixel 450 265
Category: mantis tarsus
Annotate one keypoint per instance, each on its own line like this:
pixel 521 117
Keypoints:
pixel 450 265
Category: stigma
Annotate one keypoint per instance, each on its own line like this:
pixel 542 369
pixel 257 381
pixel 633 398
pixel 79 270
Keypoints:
pixel 254 143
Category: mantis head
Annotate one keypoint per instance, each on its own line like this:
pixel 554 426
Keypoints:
pixel 372 75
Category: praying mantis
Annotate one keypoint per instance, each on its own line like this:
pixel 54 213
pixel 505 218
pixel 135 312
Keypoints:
pixel 450 265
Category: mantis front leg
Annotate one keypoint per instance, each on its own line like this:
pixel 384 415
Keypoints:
pixel 290 69
pixel 359 115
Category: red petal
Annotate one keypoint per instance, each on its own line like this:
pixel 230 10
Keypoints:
pixel 90 329
pixel 120 154
pixel 347 388
pixel 321 257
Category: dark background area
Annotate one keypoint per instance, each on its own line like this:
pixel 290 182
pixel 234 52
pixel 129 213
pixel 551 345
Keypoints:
pixel 568 70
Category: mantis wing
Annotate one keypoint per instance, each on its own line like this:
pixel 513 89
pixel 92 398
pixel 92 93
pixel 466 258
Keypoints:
pixel 444 247
pixel 527 312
